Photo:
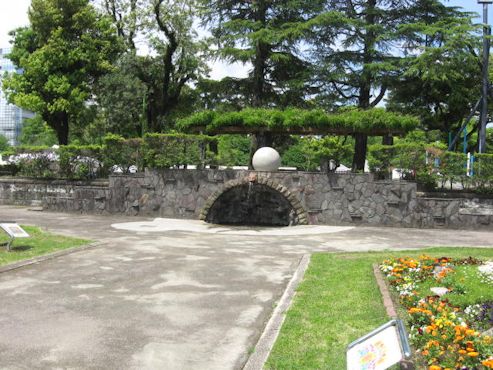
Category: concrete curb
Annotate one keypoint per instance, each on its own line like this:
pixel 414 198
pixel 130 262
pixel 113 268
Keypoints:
pixel 264 345
pixel 49 256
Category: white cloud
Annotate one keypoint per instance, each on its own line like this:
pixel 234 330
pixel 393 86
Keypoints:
pixel 13 14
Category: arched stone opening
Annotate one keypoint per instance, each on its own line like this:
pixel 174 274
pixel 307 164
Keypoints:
pixel 259 202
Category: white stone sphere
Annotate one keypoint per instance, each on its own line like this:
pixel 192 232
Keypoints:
pixel 266 159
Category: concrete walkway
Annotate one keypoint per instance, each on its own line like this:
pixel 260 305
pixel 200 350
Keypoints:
pixel 165 294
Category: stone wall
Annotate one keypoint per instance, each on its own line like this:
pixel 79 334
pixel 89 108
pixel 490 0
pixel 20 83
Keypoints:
pixel 34 192
pixel 314 198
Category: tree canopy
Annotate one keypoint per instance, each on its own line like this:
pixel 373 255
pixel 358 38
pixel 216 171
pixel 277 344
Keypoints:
pixel 66 48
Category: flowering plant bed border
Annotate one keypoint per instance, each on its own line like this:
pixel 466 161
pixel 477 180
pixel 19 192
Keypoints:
pixel 442 333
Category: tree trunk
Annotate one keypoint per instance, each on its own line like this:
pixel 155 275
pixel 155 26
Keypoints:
pixel 361 140
pixel 214 149
pixel 259 66
pixel 360 143
pixel 59 123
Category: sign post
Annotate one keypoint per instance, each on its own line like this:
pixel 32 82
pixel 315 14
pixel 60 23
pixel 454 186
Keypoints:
pixel 380 349
pixel 13 231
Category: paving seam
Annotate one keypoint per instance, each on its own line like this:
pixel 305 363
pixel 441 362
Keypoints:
pixel 264 345
pixel 49 256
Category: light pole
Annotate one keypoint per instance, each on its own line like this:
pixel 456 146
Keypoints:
pixel 485 86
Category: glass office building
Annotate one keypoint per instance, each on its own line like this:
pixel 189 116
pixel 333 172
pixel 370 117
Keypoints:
pixel 11 116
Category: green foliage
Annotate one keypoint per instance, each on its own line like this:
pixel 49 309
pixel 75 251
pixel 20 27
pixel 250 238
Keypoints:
pixel 270 36
pixel 122 153
pixel 430 164
pixel 80 162
pixel 453 169
pixel 39 162
pixel 157 80
pixel 121 95
pixel 349 121
pixel 64 50
pixel 483 172
pixel 409 157
pixel 311 152
pixel 176 150
pixel 233 150
pixel 440 82
pixel 4 143
pixel 35 132
pixel 298 156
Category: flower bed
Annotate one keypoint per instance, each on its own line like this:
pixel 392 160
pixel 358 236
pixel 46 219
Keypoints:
pixel 445 327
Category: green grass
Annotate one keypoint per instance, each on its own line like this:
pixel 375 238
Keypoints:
pixel 338 302
pixel 39 243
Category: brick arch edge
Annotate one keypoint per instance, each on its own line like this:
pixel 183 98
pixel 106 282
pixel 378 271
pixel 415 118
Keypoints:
pixel 301 216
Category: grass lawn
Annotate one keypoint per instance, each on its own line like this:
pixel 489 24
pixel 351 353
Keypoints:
pixel 338 302
pixel 39 243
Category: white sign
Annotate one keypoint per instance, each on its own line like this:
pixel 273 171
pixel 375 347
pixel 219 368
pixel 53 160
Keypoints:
pixel 14 230
pixel 379 350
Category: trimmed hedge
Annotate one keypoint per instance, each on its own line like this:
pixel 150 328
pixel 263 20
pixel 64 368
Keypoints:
pixel 431 165
pixel 122 155
pixel 350 120
pixel 115 155
pixel 172 150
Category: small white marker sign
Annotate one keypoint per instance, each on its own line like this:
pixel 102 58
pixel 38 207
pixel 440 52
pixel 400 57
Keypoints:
pixel 14 230
pixel 380 349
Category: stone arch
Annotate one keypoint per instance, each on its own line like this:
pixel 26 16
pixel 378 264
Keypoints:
pixel 300 215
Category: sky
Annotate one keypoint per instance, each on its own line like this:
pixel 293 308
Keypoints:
pixel 13 14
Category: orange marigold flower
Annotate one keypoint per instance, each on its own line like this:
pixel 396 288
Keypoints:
pixel 488 363
pixel 435 367
pixel 473 354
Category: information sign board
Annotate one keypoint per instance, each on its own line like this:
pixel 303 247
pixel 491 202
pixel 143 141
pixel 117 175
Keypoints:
pixel 380 349
pixel 14 230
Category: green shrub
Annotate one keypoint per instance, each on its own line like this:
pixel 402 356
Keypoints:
pixel 483 172
pixel 122 153
pixel 453 168
pixel 380 160
pixel 233 150
pixel 176 150
pixel 10 169
pixel 80 162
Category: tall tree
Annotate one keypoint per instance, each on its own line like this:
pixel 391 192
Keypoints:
pixel 267 35
pixel 174 57
pixel 441 79
pixel 66 48
pixel 360 50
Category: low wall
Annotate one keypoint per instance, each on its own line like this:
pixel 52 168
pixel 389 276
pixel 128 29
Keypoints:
pixel 316 198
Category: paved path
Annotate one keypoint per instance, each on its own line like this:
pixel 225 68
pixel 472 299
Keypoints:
pixel 159 296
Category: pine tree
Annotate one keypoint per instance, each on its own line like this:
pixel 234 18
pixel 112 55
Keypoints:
pixel 267 35
pixel 362 46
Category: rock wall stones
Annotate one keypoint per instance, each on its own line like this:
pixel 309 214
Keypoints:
pixel 315 198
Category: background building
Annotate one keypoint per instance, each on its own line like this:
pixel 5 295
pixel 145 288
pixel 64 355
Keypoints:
pixel 11 116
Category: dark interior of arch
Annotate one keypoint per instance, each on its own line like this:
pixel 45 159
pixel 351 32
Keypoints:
pixel 251 204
